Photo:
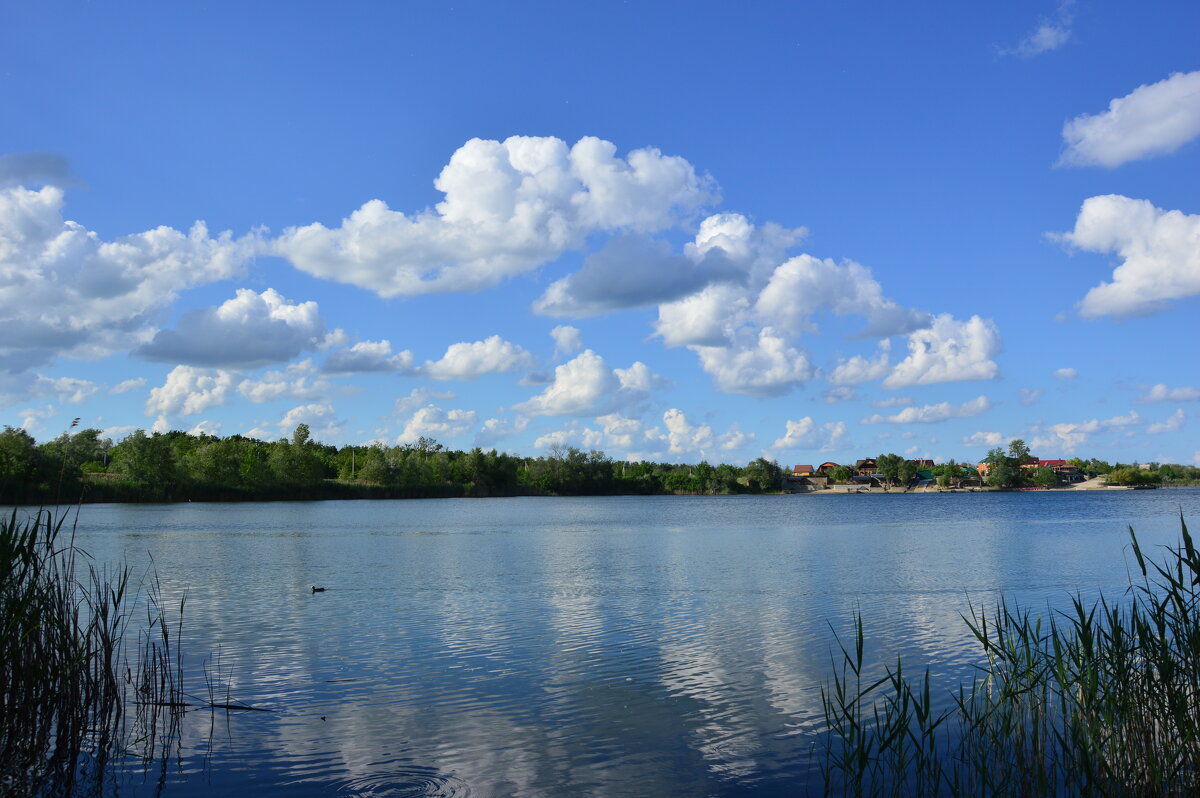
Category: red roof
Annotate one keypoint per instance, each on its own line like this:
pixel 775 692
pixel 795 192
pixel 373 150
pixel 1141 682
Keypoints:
pixel 802 469
pixel 1051 463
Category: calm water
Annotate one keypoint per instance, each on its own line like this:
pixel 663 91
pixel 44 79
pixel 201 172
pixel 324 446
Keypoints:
pixel 591 646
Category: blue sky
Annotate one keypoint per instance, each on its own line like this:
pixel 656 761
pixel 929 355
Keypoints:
pixel 810 231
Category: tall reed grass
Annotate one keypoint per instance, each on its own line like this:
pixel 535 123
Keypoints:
pixel 1102 699
pixel 71 695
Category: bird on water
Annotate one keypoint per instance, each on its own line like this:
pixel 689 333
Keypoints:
pixel 318 589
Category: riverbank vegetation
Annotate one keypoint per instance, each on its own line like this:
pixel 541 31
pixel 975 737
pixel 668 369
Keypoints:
pixel 77 688
pixel 178 466
pixel 1103 699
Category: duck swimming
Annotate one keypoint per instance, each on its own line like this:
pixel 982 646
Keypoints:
pixel 318 589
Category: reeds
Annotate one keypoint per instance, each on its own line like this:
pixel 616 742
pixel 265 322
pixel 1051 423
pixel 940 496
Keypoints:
pixel 65 678
pixel 1097 700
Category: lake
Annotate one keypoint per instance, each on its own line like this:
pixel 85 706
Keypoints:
pixel 578 646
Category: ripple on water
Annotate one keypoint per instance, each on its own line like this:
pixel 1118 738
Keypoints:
pixel 408 782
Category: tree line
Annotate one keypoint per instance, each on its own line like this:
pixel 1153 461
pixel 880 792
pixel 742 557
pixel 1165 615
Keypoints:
pixel 178 466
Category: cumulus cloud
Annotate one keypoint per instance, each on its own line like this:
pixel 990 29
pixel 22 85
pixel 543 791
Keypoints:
pixel 297 381
pixel 1161 393
pixel 509 207
pixel 894 401
pixel 469 361
pixel 765 365
pixel 807 434
pixel 322 422
pixel 1068 437
pixel 990 439
pixel 1065 374
pixel 684 437
pixel 804 285
pixel 367 357
pixel 125 386
pixel 1050 34
pixel 67 292
pixel 189 390
pixel 1159 251
pixel 948 351
pixel 930 414
pixel 432 421
pixel 706 318
pixel 567 340
pixel 633 271
pixel 495 430
pixel 842 393
pixel 66 390
pixel 419 397
pixel 860 369
pixel 586 385
pixel 1173 423
pixel 1153 119
pixel 575 435
pixel 247 331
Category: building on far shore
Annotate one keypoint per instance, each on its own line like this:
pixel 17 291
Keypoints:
pixel 802 471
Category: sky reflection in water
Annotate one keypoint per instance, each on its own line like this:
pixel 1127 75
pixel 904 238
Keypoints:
pixel 621 646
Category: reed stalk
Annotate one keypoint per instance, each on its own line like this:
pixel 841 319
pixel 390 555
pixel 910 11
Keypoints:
pixel 1100 699
pixel 66 678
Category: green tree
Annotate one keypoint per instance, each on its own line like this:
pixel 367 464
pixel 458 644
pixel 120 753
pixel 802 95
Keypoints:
pixel 840 475
pixel 889 467
pixel 764 475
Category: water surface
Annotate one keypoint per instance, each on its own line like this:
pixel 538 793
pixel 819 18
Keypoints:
pixel 578 646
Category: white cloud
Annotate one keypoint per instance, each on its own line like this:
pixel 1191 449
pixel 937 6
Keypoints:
pixel 807 434
pixel 763 366
pixel 586 385
pixel 804 286
pixel 1069 437
pixel 125 386
pixel 567 340
pixel 633 271
pixel 1066 374
pixel 1151 120
pixel 205 427
pixel 469 361
pixel 495 430
pixel 685 437
pixel 319 416
pixel 67 292
pixel 706 318
pixel 32 417
pixel 418 397
pixel 989 439
pixel 1158 249
pixel 367 357
pixel 930 414
pixel 1173 424
pixel 842 393
pixel 894 401
pixel 572 436
pixel 296 382
pixel 1161 393
pixel 247 331
pixel 948 351
pixel 189 390
pixel 1050 34
pixel 509 207
pixel 1027 396
pixel 66 390
pixel 431 421
pixel 859 369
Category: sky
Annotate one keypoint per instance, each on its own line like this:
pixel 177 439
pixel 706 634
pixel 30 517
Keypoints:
pixel 804 231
